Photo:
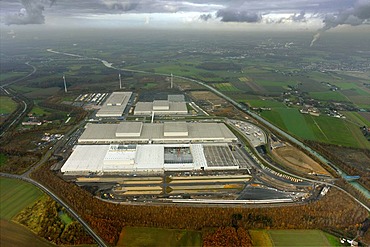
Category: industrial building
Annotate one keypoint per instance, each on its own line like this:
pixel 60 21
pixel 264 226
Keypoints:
pixel 115 105
pixel 174 105
pixel 148 158
pixel 167 132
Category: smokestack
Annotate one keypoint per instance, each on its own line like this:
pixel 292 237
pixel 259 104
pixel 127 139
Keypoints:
pixel 120 81
pixel 315 38
pixel 65 84
pixel 171 80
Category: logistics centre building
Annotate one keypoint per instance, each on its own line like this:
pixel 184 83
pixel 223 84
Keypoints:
pixel 135 147
pixel 167 132
pixel 115 105
pixel 174 105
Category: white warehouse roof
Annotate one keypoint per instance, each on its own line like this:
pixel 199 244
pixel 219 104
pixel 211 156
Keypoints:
pixel 102 159
pixel 156 132
pixel 115 105
pixel 160 108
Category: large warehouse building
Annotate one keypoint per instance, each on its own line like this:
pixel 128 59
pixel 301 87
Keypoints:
pixel 167 132
pixel 115 105
pixel 136 147
pixel 149 158
pixel 174 105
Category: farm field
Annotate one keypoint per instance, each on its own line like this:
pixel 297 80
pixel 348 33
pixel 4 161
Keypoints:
pixel 12 234
pixel 226 87
pixel 323 129
pixel 16 195
pixel 145 236
pixel 265 103
pixel 336 96
pixel 358 118
pixel 292 238
pixel 7 105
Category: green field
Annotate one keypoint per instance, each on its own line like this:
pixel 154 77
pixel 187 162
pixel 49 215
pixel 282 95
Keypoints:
pixel 292 120
pixel 7 105
pixel 15 195
pixel 226 87
pixel 336 96
pixel 298 238
pixel 356 118
pixel 292 238
pixel 265 103
pixel 144 236
pixel 324 128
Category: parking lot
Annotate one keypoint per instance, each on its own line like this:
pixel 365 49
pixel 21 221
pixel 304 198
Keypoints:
pixel 255 135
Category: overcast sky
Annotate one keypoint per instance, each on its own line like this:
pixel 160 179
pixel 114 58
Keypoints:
pixel 318 15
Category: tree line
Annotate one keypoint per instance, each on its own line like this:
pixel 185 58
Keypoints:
pixel 335 210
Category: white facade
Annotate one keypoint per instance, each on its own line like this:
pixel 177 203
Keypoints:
pixel 103 159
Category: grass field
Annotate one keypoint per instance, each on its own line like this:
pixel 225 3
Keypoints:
pixel 265 103
pixel 291 120
pixel 357 118
pixel 15 195
pixel 38 111
pixel 298 238
pixel 145 236
pixel 267 238
pixel 7 105
pixel 328 96
pixel 324 128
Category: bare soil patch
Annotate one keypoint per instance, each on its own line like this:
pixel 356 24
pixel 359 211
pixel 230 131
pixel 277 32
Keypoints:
pixel 298 160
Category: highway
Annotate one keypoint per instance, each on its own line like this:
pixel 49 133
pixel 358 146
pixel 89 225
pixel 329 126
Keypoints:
pixel 14 95
pixel 98 240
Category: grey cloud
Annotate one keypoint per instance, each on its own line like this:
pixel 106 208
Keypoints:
pixel 235 15
pixel 205 17
pixel 295 18
pixel 353 16
pixel 31 13
pixel 121 5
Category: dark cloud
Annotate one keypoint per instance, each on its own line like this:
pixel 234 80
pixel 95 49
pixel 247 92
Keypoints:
pixel 205 17
pixel 235 15
pixel 355 15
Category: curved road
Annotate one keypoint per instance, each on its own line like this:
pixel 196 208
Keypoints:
pixel 10 94
pixel 99 241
